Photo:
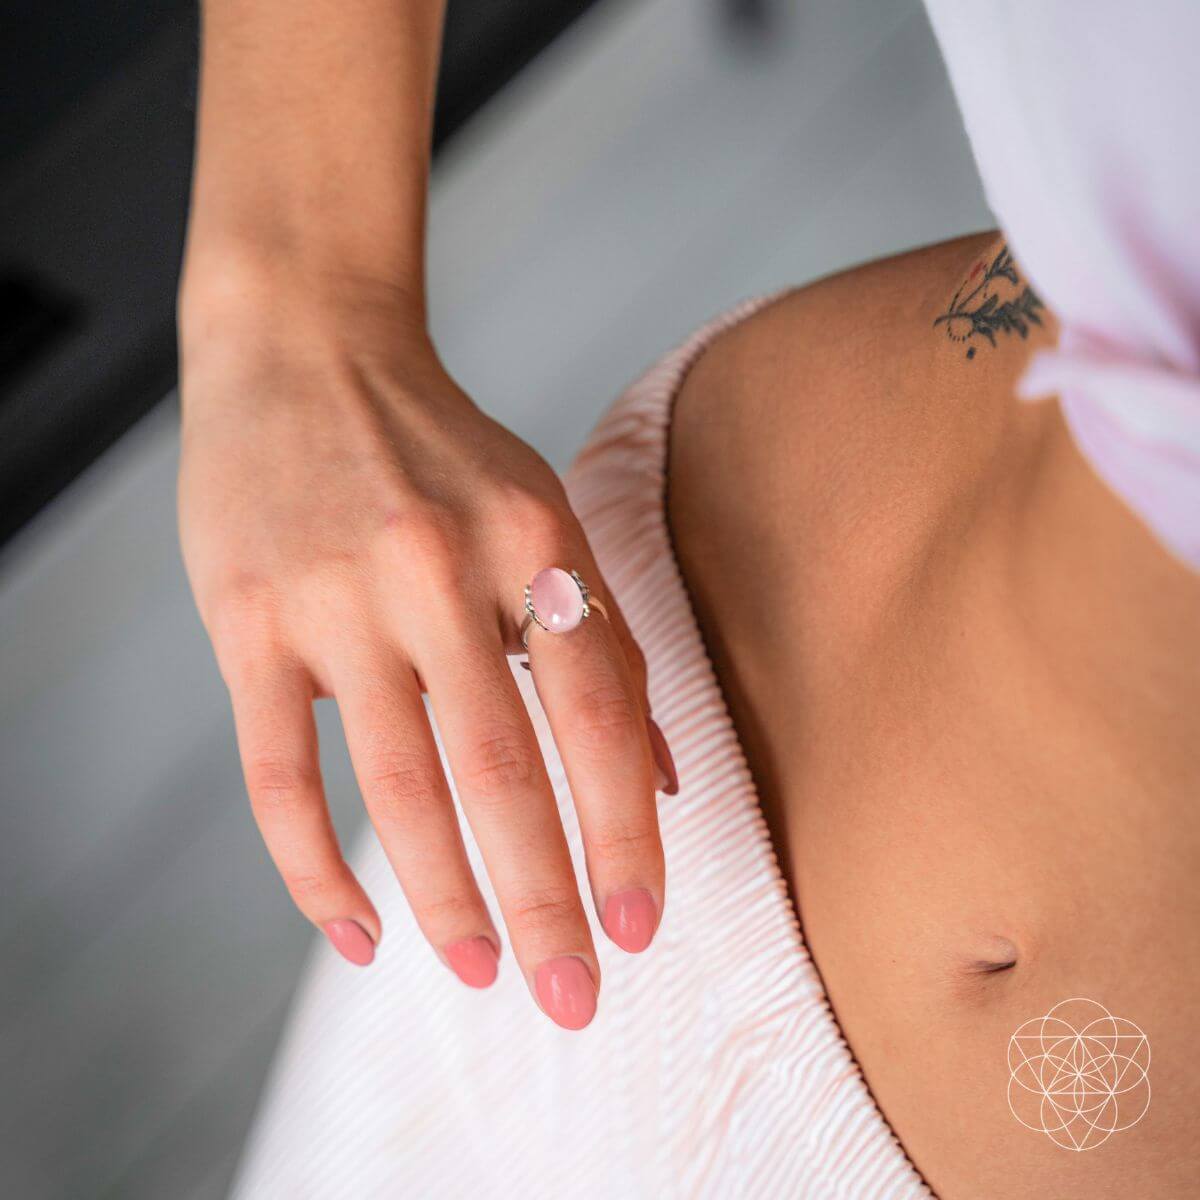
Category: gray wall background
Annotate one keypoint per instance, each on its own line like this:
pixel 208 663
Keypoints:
pixel 648 171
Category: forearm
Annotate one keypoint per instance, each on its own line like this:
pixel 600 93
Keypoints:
pixel 313 145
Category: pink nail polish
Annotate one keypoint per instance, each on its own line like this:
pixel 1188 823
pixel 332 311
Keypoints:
pixel 630 918
pixel 474 961
pixel 351 941
pixel 565 991
pixel 668 779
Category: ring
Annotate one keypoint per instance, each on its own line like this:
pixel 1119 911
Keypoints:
pixel 557 601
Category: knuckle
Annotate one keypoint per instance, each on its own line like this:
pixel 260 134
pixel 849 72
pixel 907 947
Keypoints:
pixel 277 784
pixel 307 890
pixel 333 581
pixel 455 910
pixel 543 521
pixel 401 785
pixel 428 539
pixel 545 910
pixel 242 590
pixel 607 719
pixel 242 606
pixel 500 762
pixel 623 843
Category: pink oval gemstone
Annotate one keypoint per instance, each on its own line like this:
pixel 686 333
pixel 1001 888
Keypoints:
pixel 557 599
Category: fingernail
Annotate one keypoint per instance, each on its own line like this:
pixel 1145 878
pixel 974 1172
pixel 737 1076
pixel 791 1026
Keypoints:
pixel 474 961
pixel 565 991
pixel 351 941
pixel 630 918
pixel 668 780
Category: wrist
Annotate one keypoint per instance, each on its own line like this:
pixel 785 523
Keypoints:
pixel 235 289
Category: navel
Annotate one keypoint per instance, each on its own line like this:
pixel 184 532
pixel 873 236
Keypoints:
pixel 990 954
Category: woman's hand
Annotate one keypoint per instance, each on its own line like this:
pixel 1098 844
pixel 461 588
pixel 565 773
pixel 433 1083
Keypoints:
pixel 353 526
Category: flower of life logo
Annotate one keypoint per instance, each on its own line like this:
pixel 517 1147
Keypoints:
pixel 1079 1074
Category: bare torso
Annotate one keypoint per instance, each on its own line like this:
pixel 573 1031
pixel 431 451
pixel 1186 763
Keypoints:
pixel 968 684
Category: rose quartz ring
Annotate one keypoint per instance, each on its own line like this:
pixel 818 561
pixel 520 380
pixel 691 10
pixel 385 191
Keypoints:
pixel 557 601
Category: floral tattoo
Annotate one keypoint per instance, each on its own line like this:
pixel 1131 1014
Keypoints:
pixel 977 311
